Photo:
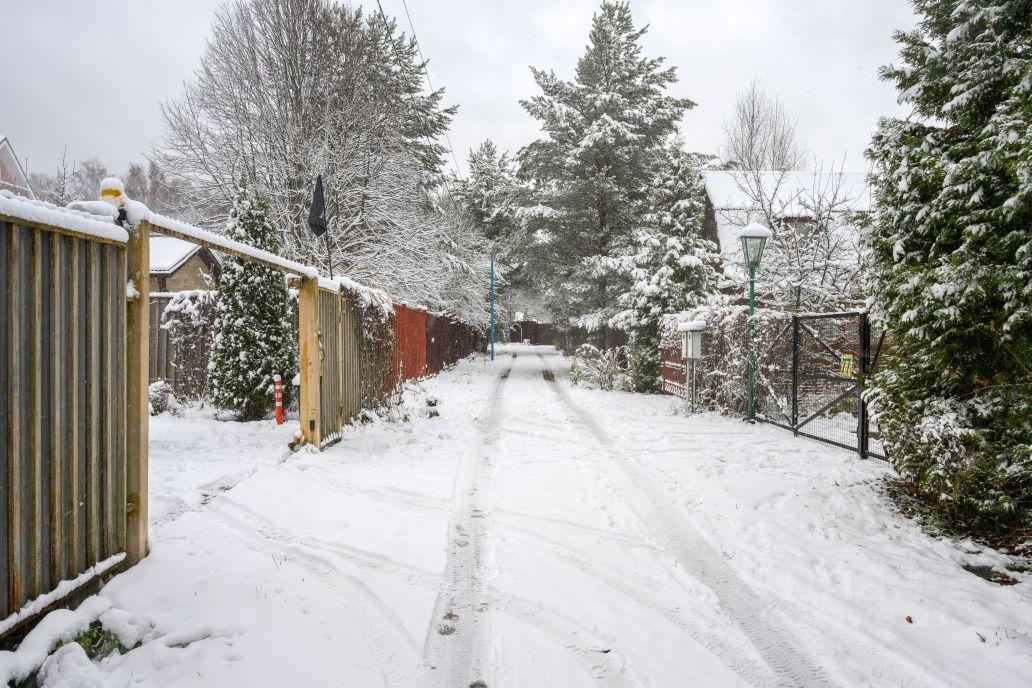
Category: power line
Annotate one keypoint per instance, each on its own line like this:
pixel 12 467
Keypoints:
pixel 412 28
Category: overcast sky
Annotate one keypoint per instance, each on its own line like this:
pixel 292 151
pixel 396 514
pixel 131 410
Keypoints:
pixel 90 75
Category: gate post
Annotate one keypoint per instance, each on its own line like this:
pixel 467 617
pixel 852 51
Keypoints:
pixel 862 421
pixel 309 363
pixel 137 379
pixel 795 374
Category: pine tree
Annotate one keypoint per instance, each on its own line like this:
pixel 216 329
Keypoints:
pixel 604 138
pixel 489 191
pixel 951 260
pixel 671 267
pixel 251 335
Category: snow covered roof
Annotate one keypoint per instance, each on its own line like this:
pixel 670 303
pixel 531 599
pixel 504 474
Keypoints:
pixel 167 254
pixel 793 192
pixel 12 176
pixel 221 243
pixel 41 212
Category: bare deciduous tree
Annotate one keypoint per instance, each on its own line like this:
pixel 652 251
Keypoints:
pixel 812 260
pixel 289 89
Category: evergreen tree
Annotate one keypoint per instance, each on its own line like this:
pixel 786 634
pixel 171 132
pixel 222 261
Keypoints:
pixel 251 335
pixel 489 193
pixel 951 260
pixel 590 175
pixel 396 78
pixel 671 267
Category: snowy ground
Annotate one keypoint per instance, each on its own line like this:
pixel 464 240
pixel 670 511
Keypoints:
pixel 535 534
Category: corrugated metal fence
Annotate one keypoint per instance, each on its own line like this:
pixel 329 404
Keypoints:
pixel 63 410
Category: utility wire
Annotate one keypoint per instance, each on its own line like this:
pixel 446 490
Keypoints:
pixel 412 28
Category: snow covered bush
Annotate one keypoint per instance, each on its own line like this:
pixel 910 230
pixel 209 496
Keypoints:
pixel 188 319
pixel 251 339
pixel 721 374
pixel 162 398
pixel 599 368
pixel 950 261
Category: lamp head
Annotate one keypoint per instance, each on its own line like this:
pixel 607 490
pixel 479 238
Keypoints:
pixel 754 239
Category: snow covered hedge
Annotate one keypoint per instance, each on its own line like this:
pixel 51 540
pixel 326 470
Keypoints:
pixel 950 262
pixel 721 375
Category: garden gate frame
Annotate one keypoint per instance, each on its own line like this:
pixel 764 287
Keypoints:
pixel 812 351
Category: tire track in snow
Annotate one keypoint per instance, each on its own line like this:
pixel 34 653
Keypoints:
pixel 457 637
pixel 749 668
pixel 752 614
pixel 884 664
pixel 395 651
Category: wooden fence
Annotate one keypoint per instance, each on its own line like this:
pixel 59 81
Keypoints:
pixel 67 424
pixel 76 359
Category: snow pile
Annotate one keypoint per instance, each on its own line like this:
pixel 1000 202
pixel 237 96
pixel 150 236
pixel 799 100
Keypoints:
pixel 101 209
pixel 59 625
pixel 41 212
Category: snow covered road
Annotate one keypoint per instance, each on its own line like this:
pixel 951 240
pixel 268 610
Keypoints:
pixel 536 534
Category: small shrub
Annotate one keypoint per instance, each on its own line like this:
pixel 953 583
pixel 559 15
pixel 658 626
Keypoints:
pixel 599 368
pixel 95 641
pixel 163 399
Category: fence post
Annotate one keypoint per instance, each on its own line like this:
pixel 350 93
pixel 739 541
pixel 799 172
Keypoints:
pixel 795 374
pixel 308 334
pixel 862 421
pixel 137 378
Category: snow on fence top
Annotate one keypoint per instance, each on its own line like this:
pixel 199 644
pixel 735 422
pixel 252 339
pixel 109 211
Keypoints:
pixel 78 221
pixel 218 242
pixel 367 296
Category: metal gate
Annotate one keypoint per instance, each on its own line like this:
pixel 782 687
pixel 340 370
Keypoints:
pixel 814 377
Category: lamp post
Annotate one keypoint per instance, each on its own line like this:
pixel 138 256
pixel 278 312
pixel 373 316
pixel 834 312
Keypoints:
pixel 754 238
pixel 492 307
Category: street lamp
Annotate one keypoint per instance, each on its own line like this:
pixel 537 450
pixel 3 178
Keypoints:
pixel 754 238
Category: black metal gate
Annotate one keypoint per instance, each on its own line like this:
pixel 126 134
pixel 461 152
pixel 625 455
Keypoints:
pixel 813 379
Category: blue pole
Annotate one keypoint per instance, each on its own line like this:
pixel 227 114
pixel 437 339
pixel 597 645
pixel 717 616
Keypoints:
pixel 492 307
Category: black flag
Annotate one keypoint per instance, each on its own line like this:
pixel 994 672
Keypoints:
pixel 317 216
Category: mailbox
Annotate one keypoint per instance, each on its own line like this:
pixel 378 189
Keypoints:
pixel 691 338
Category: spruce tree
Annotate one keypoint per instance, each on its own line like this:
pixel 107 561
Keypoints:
pixel 671 267
pixel 251 335
pixel 950 268
pixel 590 175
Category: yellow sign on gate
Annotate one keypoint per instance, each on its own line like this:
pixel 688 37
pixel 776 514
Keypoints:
pixel 846 366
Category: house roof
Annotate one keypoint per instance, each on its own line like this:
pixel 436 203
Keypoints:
pixel 167 254
pixel 793 193
pixel 12 175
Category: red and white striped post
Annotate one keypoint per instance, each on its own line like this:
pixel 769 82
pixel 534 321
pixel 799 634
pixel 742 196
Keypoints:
pixel 277 385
